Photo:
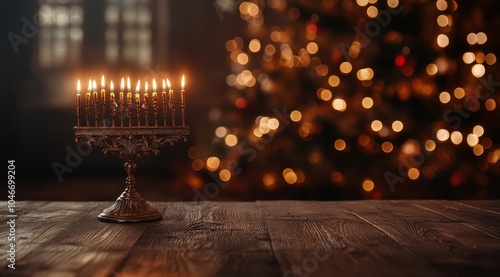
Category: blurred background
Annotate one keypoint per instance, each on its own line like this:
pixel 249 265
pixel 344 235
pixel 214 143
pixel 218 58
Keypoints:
pixel 320 100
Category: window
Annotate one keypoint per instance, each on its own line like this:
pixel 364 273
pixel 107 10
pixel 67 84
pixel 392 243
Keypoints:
pixel 128 32
pixel 61 34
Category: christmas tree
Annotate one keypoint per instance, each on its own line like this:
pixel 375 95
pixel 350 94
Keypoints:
pixel 358 99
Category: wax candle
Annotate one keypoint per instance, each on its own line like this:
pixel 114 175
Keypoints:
pixel 122 104
pixel 129 102
pixel 78 102
pixel 138 102
pixel 146 104
pixel 171 101
pixel 87 103
pixel 96 104
pixel 183 102
pixel 155 102
pixel 112 103
pixel 164 102
pixel 103 99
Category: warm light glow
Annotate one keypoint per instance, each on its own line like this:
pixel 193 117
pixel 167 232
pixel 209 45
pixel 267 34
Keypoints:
pixel 472 140
pixel 111 86
pixel 441 5
pixel 372 11
pixel 295 116
pixel 146 87
pixel 472 38
pixel 213 163
pixel 129 87
pixel 368 185
pixel 365 74
pixel 334 81
pixel 459 93
pixel 387 147
pixel 164 85
pixel 326 94
pixel 413 173
pixel 94 85
pixel 481 38
pixel 254 45
pixel 221 132
pixel 376 125
pixel 269 180
pixel 431 69
pixel 182 82
pixel 490 104
pixel 339 104
pixel 154 85
pixel 78 87
pixel 225 175
pixel 122 84
pixel 491 59
pixel 168 84
pixel 397 126
pixel 90 86
pixel 478 70
pixel 345 67
pixel 468 57
pixel 444 97
pixel 443 40
pixel 478 150
pixel 340 144
pixel 231 140
pixel 442 134
pixel 442 20
pixel 138 87
pixel 478 130
pixel 392 3
pixel 273 123
pixel 312 48
pixel 430 145
pixel 367 102
pixel 197 164
pixel 456 137
pixel 103 82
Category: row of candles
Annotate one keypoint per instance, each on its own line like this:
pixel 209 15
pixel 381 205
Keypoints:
pixel 125 105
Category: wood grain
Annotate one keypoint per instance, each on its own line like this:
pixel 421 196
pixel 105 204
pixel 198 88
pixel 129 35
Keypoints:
pixel 488 205
pixel 303 229
pixel 449 245
pixel 268 238
pixel 488 223
pixel 203 239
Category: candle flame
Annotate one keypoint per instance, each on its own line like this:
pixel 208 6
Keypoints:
pixel 103 83
pixel 90 86
pixel 138 87
pixel 168 84
pixel 94 86
pixel 122 85
pixel 154 85
pixel 111 86
pixel 146 87
pixel 164 85
pixel 78 87
pixel 182 82
pixel 129 87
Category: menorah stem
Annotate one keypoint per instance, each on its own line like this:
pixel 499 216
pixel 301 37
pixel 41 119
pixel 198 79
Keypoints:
pixel 130 206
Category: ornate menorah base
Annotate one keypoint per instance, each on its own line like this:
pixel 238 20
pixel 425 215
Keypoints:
pixel 130 143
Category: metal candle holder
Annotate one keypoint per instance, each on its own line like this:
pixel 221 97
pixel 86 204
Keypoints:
pixel 131 143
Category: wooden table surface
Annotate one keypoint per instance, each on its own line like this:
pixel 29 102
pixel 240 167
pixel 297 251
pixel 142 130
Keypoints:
pixel 264 238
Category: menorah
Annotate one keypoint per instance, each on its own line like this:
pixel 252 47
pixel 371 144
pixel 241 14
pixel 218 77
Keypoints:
pixel 130 135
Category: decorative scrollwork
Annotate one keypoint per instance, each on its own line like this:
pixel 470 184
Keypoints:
pixel 131 147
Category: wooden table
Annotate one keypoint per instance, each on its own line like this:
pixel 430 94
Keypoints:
pixel 269 238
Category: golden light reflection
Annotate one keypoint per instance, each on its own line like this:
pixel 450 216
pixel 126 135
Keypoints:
pixel 368 185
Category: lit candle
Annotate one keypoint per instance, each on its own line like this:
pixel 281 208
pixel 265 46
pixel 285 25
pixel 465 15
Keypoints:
pixel 183 102
pixel 112 103
pixel 138 102
pixel 164 102
pixel 145 105
pixel 103 99
pixel 155 102
pixel 78 102
pixel 129 102
pixel 171 101
pixel 122 104
pixel 96 104
pixel 87 103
